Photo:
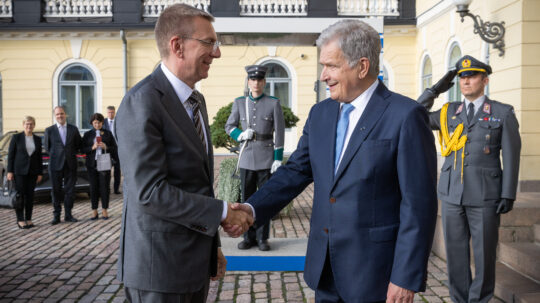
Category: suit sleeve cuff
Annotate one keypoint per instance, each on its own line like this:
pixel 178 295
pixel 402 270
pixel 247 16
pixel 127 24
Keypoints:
pixel 252 211
pixel 278 154
pixel 235 133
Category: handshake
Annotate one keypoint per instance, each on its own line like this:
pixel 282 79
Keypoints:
pixel 239 219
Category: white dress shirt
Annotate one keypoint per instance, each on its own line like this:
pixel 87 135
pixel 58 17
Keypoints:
pixel 62 129
pixel 183 91
pixel 359 105
pixel 30 144
pixel 111 125
pixel 477 104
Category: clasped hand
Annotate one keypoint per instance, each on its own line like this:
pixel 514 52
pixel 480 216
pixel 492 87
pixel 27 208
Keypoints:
pixel 239 219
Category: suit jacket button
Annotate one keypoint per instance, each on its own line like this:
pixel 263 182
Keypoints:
pixel 332 200
pixel 325 230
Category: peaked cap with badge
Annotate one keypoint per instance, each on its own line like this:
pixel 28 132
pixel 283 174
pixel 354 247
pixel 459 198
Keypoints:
pixel 256 71
pixel 468 66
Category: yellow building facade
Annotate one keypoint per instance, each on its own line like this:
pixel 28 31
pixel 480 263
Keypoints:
pixel 32 65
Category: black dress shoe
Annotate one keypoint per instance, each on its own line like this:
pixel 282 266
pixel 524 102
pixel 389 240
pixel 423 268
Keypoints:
pixel 55 221
pixel 263 245
pixel 117 192
pixel 245 245
pixel 30 225
pixel 94 217
pixel 71 219
pixel 21 226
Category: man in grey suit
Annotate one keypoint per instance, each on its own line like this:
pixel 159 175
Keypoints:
pixel 169 241
pixel 262 152
pixel 473 187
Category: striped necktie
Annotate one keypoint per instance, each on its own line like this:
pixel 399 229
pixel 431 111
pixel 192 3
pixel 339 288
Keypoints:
pixel 195 103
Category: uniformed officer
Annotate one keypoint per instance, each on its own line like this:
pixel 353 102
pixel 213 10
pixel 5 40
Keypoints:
pixel 263 130
pixel 473 188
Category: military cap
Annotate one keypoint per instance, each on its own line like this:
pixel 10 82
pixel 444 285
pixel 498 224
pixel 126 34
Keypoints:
pixel 256 71
pixel 468 66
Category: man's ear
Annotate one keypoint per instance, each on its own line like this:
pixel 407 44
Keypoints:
pixel 176 46
pixel 363 67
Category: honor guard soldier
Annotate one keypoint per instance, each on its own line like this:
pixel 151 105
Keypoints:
pixel 257 122
pixel 473 187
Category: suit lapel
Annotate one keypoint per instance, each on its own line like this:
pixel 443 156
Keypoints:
pixel 184 122
pixel 371 115
pixel 328 138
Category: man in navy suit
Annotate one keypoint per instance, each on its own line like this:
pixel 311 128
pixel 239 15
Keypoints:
pixel 62 141
pixel 371 155
pixel 109 125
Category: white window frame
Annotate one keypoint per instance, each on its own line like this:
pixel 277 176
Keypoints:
pixel 449 66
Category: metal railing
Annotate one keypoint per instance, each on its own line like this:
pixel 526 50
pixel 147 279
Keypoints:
pixel 273 7
pixel 368 7
pixel 6 8
pixel 76 10
pixel 153 8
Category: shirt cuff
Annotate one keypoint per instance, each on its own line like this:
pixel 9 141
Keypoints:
pixel 252 211
pixel 224 212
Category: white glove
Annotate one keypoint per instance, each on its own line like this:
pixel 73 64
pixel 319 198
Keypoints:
pixel 246 135
pixel 275 165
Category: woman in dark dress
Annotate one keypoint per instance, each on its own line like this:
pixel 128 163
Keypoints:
pixel 25 167
pixel 95 142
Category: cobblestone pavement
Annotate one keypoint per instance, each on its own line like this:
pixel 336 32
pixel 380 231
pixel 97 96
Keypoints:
pixel 76 262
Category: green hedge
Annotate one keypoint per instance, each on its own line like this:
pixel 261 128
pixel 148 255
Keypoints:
pixel 228 188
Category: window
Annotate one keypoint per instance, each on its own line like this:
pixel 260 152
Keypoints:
pixel 454 94
pixel 427 74
pixel 77 89
pixel 278 82
pixel 386 77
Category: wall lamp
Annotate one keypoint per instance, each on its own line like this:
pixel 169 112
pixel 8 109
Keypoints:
pixel 491 32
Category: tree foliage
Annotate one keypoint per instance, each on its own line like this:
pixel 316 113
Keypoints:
pixel 221 139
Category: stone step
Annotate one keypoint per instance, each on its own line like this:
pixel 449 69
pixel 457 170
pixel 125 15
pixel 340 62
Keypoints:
pixel 537 234
pixel 511 286
pixel 526 211
pixel 522 257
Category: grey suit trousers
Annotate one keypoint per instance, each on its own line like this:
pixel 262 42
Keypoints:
pixel 134 295
pixel 460 224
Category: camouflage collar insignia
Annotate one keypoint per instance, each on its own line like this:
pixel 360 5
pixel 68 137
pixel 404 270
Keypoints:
pixel 459 109
pixel 487 108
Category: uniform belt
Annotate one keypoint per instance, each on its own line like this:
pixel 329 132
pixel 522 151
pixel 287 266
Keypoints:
pixel 262 137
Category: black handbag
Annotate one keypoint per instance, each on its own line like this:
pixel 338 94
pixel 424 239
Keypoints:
pixel 9 197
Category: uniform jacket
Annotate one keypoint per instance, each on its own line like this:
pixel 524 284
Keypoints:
pixel 88 142
pixel 377 214
pixel 169 238
pixel 493 128
pixel 60 154
pixel 266 118
pixel 19 162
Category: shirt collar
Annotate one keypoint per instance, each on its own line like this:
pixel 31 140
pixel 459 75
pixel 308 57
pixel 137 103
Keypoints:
pixel 182 90
pixel 256 99
pixel 362 100
pixel 60 125
pixel 477 103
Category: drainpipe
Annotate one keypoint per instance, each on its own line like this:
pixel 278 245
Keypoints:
pixel 124 48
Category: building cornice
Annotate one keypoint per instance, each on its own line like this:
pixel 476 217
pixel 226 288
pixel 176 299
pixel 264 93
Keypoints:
pixel 439 9
pixel 400 30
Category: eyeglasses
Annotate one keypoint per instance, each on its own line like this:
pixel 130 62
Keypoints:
pixel 215 45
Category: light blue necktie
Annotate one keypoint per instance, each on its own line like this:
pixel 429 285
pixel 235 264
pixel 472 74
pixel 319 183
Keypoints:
pixel 341 132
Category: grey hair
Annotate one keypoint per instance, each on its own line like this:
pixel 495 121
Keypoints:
pixel 356 40
pixel 29 119
pixel 176 20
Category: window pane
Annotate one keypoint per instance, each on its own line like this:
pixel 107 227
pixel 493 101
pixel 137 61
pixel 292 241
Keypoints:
pixel 77 73
pixel 385 76
pixel 281 91
pixel 427 74
pixel 454 92
pixel 275 71
pixel 67 100
pixel 88 106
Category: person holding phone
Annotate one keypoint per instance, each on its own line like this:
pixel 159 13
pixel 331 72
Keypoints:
pixel 95 142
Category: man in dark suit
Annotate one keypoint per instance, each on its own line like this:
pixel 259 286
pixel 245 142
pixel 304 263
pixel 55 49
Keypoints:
pixel 474 189
pixel 169 242
pixel 371 156
pixel 109 125
pixel 62 141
